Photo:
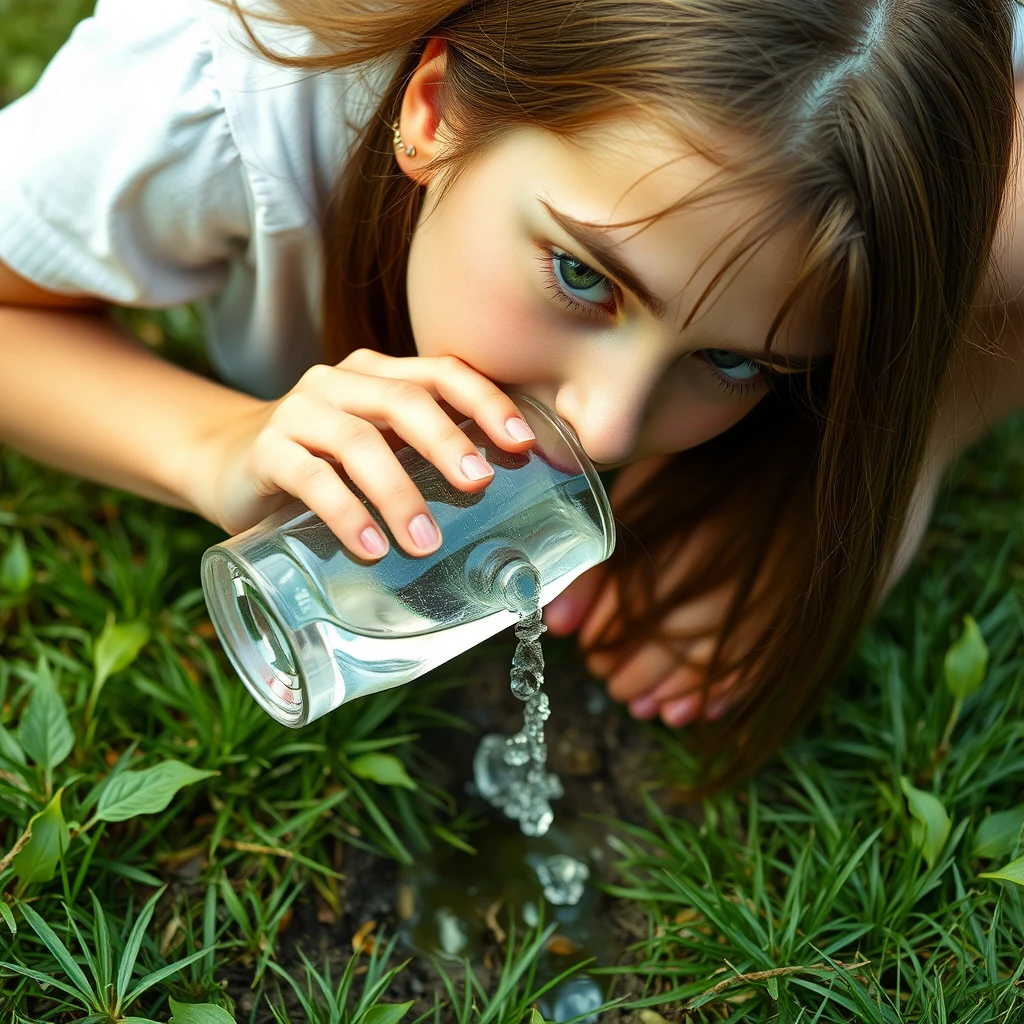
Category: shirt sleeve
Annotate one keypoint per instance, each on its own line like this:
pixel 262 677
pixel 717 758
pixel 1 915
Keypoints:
pixel 119 176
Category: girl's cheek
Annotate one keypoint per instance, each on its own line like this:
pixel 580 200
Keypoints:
pixel 488 316
pixel 690 418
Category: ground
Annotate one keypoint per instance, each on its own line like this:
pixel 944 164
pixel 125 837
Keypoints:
pixel 846 881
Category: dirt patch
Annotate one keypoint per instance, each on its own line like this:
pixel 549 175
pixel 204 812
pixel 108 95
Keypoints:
pixel 603 759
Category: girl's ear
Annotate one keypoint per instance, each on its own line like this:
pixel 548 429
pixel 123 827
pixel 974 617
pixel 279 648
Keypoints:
pixel 419 120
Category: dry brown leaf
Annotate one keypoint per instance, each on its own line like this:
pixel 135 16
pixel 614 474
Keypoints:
pixel 361 941
pixel 562 945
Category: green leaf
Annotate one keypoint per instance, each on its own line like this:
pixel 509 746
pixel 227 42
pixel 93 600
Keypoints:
pixel 386 1013
pixel 131 947
pixel 966 661
pixel 61 954
pixel 1012 872
pixel 11 748
pixel 932 821
pixel 385 769
pixel 45 733
pixel 537 1018
pixel 155 977
pixel 997 835
pixel 38 859
pixel 199 1013
pixel 116 648
pixel 8 916
pixel 16 573
pixel 147 791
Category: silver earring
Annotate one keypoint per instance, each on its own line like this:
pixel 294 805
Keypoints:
pixel 410 151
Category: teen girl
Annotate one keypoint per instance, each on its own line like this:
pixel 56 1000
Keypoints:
pixel 744 247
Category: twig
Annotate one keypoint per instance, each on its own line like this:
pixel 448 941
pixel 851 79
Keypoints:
pixel 17 848
pixel 776 972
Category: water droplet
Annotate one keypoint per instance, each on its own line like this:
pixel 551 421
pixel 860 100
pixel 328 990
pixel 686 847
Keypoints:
pixel 576 997
pixel 564 878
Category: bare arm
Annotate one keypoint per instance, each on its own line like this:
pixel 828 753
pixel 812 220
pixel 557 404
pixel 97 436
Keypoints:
pixel 987 384
pixel 77 393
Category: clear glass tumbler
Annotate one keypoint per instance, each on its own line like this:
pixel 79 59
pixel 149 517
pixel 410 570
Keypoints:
pixel 309 626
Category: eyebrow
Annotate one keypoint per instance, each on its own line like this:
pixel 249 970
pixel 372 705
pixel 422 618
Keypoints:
pixel 594 240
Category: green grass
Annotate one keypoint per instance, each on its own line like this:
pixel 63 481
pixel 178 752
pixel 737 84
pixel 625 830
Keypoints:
pixel 810 893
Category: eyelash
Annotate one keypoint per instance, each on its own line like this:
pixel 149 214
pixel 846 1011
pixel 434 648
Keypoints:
pixel 548 254
pixel 765 382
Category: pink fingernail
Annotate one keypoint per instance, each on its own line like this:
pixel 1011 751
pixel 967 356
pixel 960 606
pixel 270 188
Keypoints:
pixel 560 613
pixel 475 468
pixel 643 707
pixel 424 533
pixel 373 540
pixel 680 712
pixel 519 430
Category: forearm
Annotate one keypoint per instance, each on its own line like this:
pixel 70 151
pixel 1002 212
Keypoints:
pixel 984 386
pixel 79 394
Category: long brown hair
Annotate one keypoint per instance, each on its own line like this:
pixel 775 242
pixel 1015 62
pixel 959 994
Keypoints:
pixel 884 127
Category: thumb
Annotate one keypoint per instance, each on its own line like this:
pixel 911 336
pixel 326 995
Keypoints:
pixel 565 613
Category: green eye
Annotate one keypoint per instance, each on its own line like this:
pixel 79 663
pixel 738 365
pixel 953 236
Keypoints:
pixel 581 281
pixel 732 366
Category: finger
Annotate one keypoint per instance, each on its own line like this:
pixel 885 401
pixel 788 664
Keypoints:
pixel 462 387
pixel 564 614
pixel 601 613
pixel 374 469
pixel 403 407
pixel 641 673
pixel 315 482
pixel 682 710
pixel 683 681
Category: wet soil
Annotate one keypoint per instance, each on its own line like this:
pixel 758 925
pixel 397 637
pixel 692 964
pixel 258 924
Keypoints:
pixel 603 758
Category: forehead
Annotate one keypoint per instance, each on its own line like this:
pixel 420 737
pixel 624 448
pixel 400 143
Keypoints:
pixel 668 209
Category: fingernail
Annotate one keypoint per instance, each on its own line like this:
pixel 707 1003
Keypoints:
pixel 519 430
pixel 643 707
pixel 678 713
pixel 424 532
pixel 475 468
pixel 373 541
pixel 560 613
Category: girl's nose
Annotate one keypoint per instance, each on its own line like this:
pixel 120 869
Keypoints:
pixel 607 420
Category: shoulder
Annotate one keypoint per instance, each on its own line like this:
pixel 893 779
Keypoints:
pixel 293 128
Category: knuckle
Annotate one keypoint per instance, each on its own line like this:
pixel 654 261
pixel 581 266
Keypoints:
pixel 314 378
pixel 404 392
pixel 451 364
pixel 360 436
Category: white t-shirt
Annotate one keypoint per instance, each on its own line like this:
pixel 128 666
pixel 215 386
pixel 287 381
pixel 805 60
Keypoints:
pixel 161 161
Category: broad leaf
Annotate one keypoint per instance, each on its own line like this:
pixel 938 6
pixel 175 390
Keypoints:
pixel 385 769
pixel 16 573
pixel 45 733
pixel 199 1013
pixel 997 835
pixel 38 859
pixel 147 791
pixel 11 748
pixel 385 1013
pixel 966 661
pixel 1012 872
pixel 116 648
pixel 7 914
pixel 932 821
